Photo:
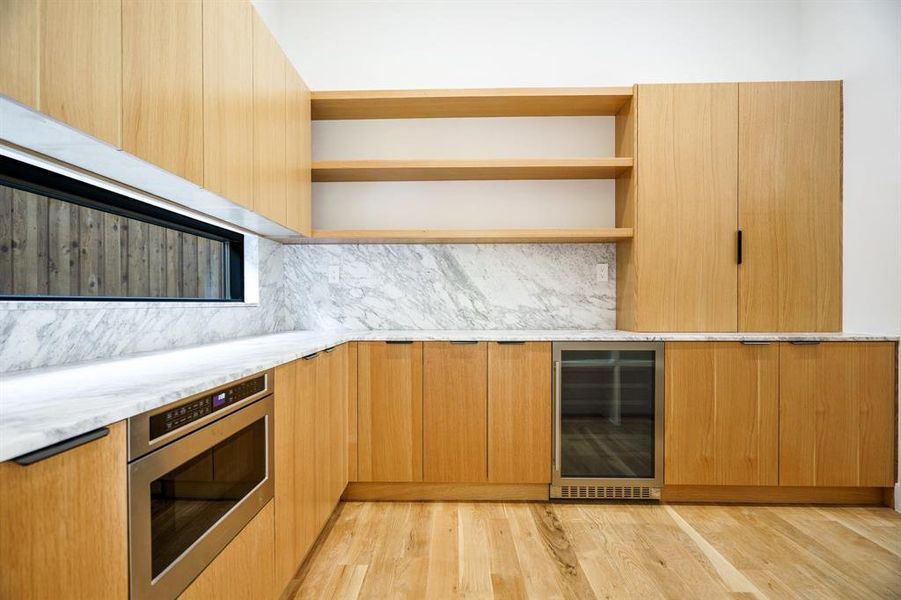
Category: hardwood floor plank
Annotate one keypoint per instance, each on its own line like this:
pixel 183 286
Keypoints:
pixel 544 550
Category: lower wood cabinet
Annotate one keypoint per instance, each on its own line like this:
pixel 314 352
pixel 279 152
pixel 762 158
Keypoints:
pixel 455 412
pixel 64 523
pixel 837 414
pixel 389 411
pixel 722 414
pixel 519 412
pixel 788 414
pixel 310 453
pixel 243 570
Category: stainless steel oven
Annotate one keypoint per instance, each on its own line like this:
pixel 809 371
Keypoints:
pixel 608 420
pixel 199 469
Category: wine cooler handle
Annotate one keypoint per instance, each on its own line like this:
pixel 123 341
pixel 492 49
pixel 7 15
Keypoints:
pixel 558 412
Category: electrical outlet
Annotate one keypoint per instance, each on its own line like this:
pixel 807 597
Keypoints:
pixel 603 272
pixel 334 274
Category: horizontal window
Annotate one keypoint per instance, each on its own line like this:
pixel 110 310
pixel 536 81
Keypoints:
pixel 64 239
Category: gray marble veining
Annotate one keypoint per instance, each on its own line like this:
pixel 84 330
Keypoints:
pixel 464 286
pixel 34 335
pixel 44 406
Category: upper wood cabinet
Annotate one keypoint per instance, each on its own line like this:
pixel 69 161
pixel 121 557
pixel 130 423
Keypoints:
pixel 722 414
pixel 269 124
pixel 298 154
pixel 81 65
pixel 790 206
pixel 19 52
pixel 716 159
pixel 682 262
pixel 519 412
pixel 454 412
pixel 837 414
pixel 162 84
pixel 389 411
pixel 64 58
pixel 228 99
pixel 64 523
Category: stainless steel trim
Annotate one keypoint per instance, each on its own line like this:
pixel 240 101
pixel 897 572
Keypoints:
pixel 557 480
pixel 142 472
pixel 558 394
pixel 139 442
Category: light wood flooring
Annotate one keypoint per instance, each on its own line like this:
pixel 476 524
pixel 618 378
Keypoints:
pixel 540 550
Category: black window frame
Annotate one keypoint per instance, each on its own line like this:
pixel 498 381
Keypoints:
pixel 30 178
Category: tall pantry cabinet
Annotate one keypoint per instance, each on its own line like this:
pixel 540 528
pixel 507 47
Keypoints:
pixel 736 205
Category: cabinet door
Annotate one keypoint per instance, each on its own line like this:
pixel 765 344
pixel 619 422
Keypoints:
pixel 519 412
pixel 228 99
pixel 389 411
pixel 19 54
pixel 243 570
pixel 269 116
pixel 454 412
pixel 287 508
pixel 337 373
pixel 64 523
pixel 722 414
pixel 81 65
pixel 684 250
pixel 790 206
pixel 305 471
pixel 162 84
pixel 298 155
pixel 837 414
pixel 322 459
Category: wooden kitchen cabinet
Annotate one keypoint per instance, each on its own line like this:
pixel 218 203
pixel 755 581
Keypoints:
pixel 389 388
pixel 519 412
pixel 679 273
pixel 722 414
pixel 81 65
pixel 335 362
pixel 269 124
pixel 64 523
pixel 454 412
pixel 837 414
pixel 19 51
pixel 298 154
pixel 790 206
pixel 228 148
pixel 162 84
pixel 243 570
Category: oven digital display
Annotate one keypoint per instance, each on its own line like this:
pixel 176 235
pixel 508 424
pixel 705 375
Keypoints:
pixel 173 419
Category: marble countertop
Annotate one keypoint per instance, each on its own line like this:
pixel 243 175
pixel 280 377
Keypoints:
pixel 43 406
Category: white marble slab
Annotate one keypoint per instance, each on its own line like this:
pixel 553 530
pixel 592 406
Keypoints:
pixel 40 407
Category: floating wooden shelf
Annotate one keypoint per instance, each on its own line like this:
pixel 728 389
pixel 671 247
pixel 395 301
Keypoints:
pixel 512 102
pixel 463 236
pixel 447 170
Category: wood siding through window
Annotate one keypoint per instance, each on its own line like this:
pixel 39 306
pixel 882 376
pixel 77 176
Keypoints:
pixel 49 247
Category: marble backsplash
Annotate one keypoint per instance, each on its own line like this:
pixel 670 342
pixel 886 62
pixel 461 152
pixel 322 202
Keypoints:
pixel 466 286
pixel 532 286
pixel 47 334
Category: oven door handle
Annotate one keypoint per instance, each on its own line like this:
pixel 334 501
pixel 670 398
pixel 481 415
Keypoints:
pixel 558 413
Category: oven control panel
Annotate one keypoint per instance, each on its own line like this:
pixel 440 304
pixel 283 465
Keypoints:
pixel 177 417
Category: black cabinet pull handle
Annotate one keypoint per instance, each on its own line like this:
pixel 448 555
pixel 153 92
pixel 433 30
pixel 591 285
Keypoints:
pixel 398 341
pixel 511 342
pixel 756 342
pixel 60 447
pixel 739 249
pixel 332 349
pixel 311 356
pixel 805 342
pixel 464 342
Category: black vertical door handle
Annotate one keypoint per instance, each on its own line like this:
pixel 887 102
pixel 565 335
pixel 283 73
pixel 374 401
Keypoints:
pixel 739 247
